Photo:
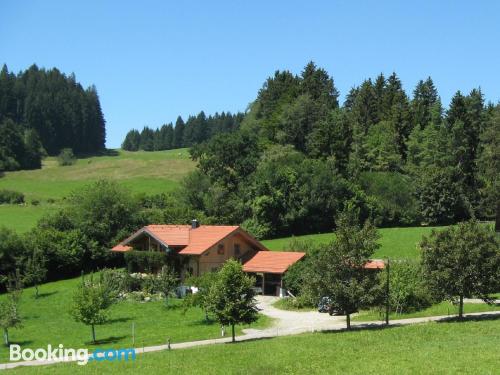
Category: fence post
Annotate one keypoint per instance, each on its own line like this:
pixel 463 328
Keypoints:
pixel 387 303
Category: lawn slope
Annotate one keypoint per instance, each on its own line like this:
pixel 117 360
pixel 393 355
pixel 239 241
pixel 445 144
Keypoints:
pixel 141 172
pixel 433 348
pixel 47 320
pixel 395 243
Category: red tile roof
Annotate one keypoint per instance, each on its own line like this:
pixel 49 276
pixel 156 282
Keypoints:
pixel 121 247
pixel 206 236
pixel 272 261
pixel 173 235
pixel 195 241
pixel 375 264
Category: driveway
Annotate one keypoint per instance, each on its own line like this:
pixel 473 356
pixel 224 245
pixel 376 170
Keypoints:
pixel 288 322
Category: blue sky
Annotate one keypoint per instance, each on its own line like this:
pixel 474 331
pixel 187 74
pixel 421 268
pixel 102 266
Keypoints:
pixel 154 60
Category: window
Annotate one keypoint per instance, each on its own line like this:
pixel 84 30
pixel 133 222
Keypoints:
pixel 237 250
pixel 220 249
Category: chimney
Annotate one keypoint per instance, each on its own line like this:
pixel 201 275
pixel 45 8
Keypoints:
pixel 194 224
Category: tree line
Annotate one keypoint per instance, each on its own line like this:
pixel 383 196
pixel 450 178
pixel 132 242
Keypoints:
pixel 44 111
pixel 195 130
pixel 299 157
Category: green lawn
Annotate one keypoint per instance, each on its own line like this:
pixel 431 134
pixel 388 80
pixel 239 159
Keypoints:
pixel 23 218
pixel 395 243
pixel 434 348
pixel 141 172
pixel 46 320
pixel 443 308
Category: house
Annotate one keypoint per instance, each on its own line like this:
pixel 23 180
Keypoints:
pixel 204 248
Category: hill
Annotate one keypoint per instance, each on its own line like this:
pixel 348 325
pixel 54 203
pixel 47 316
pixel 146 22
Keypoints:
pixel 141 172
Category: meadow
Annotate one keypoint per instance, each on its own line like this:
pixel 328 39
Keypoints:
pixel 47 320
pixel 395 243
pixel 141 172
pixel 469 347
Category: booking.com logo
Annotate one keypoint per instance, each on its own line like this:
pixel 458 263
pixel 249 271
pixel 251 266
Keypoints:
pixel 62 354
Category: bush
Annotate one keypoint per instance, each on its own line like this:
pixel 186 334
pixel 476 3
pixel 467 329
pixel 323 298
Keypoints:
pixel 408 290
pixel 66 157
pixel 11 196
pixel 35 202
pixel 149 261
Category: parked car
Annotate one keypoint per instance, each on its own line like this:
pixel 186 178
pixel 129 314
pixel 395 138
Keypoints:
pixel 326 305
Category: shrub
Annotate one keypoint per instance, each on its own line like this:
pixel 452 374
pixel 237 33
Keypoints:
pixel 408 290
pixel 66 157
pixel 138 261
pixel 35 202
pixel 11 196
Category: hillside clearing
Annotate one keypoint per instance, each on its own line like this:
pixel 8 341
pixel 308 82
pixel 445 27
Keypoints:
pixel 141 172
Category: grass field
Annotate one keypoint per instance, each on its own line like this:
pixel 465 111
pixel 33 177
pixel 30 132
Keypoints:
pixel 395 243
pixel 47 320
pixel 443 308
pixel 141 172
pixel 435 348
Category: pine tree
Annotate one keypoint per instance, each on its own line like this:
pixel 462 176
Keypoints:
pixel 179 133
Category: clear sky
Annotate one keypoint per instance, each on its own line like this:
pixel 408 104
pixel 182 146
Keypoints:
pixel 154 60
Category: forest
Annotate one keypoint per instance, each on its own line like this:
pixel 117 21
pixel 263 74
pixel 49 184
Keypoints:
pixel 299 157
pixel 195 130
pixel 44 111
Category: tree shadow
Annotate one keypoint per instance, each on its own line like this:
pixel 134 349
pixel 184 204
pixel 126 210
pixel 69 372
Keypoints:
pixel 118 320
pixel 47 294
pixel 203 322
pixel 362 327
pixel 20 343
pixel 106 152
pixel 470 318
pixel 107 340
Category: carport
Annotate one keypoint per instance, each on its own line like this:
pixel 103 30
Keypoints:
pixel 268 267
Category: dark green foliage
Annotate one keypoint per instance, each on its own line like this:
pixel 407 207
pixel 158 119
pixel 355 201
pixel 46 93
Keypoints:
pixel 395 195
pixel 12 147
pixel 145 261
pixel 66 157
pixel 11 197
pixel 425 104
pixel 132 141
pixel 197 129
pixel 228 158
pixel 462 261
pixel 440 196
pixel 105 212
pixel 12 253
pixel 489 166
pixel 55 111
